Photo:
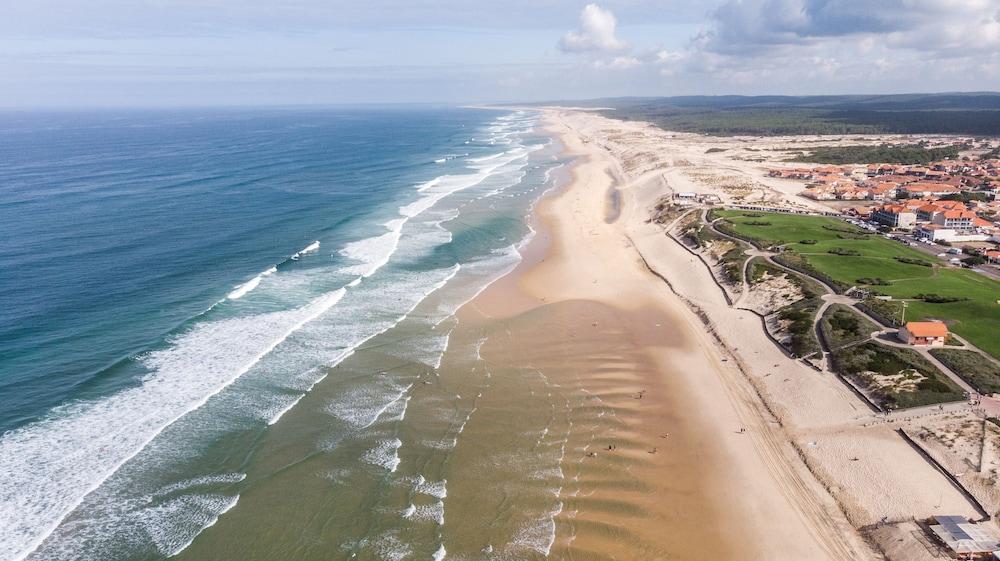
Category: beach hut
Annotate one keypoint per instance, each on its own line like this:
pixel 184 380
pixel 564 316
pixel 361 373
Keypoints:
pixel 965 539
pixel 932 333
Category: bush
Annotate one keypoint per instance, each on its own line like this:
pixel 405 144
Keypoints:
pixel 912 261
pixel 877 281
pixel 840 326
pixel 843 251
pixel 757 223
pixel 802 340
pixel 845 229
pixel 979 371
pixel 861 360
pixel 808 242
pixel 937 299
pixel 714 150
pixel 884 153
pixel 933 385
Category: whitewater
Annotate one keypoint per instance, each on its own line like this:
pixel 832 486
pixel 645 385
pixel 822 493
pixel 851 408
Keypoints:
pixel 328 304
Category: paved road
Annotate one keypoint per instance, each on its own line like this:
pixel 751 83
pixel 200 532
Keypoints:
pixel 932 250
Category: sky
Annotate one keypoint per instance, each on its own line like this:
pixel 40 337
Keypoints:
pixel 115 53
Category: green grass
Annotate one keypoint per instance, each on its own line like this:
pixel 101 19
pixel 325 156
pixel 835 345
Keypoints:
pixel 976 319
pixel 842 326
pixel 980 372
pixel 861 360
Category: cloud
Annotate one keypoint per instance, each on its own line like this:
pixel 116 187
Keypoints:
pixel 752 27
pixel 619 63
pixel 596 34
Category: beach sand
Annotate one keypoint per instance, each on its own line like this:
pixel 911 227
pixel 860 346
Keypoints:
pixel 584 310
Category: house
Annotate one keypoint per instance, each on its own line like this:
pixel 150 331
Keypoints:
pixel 923 333
pixel 992 255
pixel 933 210
pixel 939 233
pixel 896 216
pixel 966 540
pixel 921 189
pixel 883 191
pixel 957 219
pixel 819 193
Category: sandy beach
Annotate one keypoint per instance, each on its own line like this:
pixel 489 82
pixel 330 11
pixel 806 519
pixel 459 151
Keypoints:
pixel 698 466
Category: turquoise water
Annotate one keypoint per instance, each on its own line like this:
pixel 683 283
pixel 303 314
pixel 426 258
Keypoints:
pixel 175 282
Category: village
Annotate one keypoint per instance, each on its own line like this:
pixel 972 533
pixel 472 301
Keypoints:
pixel 948 202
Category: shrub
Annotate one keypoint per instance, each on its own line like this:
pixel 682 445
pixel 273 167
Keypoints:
pixel 877 281
pixel 938 299
pixel 912 261
pixel 843 251
pixel 808 242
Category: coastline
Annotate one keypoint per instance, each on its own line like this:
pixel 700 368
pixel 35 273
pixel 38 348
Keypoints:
pixel 615 330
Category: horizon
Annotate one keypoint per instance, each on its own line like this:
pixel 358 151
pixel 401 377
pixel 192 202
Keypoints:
pixel 497 104
pixel 179 53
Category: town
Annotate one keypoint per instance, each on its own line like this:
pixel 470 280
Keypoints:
pixel 949 201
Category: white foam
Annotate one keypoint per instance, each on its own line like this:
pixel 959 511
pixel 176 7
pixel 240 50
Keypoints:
pixel 362 406
pixel 486 158
pixel 241 290
pixel 308 249
pixel 280 413
pixel 385 454
pixel 373 253
pixel 48 467
pixel 439 554
pixel 430 512
pixel 174 524
pixel 438 489
pixel 205 480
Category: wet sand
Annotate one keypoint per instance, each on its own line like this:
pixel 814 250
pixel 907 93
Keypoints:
pixel 584 312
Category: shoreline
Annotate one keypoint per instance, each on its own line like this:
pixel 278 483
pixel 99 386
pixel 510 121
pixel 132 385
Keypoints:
pixel 735 484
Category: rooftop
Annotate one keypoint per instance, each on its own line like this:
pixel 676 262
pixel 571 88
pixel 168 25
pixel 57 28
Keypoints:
pixel 927 328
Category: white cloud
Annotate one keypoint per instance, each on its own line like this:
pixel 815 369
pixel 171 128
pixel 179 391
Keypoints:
pixel 597 33
pixel 619 63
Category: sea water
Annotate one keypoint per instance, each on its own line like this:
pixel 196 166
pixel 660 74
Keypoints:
pixel 201 309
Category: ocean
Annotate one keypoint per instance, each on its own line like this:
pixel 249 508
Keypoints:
pixel 222 331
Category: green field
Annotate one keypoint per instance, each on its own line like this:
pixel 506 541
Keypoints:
pixel 976 319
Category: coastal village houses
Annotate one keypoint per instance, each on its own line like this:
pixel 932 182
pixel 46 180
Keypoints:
pixel 927 200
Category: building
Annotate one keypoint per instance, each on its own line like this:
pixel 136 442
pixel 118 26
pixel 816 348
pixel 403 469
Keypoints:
pixel 965 539
pixel 923 333
pixel 883 191
pixel 896 216
pixel 957 219
pixel 939 233
pixel 929 189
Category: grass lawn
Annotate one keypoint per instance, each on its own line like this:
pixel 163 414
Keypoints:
pixel 976 319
